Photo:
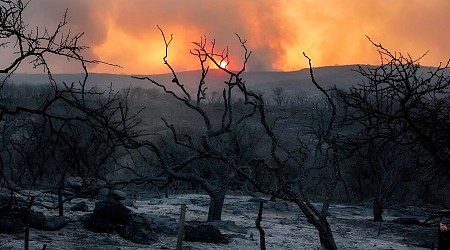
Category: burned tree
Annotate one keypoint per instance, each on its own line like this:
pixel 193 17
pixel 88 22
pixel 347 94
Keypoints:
pixel 66 129
pixel 382 167
pixel 282 159
pixel 218 174
pixel 404 106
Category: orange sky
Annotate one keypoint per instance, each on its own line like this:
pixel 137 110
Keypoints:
pixel 331 32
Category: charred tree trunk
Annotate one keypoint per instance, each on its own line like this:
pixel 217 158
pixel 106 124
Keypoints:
pixel 378 197
pixel 60 200
pixel 361 195
pixel 326 236
pixel 320 222
pixel 216 205
pixel 377 208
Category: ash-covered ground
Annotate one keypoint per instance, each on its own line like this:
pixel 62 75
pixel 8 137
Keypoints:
pixel 284 225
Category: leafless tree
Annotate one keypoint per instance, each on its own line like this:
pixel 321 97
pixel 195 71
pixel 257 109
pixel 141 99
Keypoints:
pixel 404 105
pixel 66 129
pixel 215 181
pixel 279 96
pixel 382 167
pixel 284 160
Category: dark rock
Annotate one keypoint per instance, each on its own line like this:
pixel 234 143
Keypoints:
pixel 112 210
pixel 142 221
pixel 106 193
pixel 13 219
pixel 112 216
pixel 118 194
pixel 98 225
pixel 74 183
pixel 136 234
pixel 257 200
pixel 204 233
pixel 54 223
pixel 229 226
pixel 10 226
pixel 129 203
pixel 163 224
pixel 407 221
pixel 80 206
pixel 107 214
pixel 102 193
pixel 37 219
pixel 6 202
pixel 281 206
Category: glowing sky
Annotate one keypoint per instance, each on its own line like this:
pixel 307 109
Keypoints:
pixel 331 32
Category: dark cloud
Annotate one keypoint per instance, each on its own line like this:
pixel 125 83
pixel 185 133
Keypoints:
pixel 330 31
pixel 83 16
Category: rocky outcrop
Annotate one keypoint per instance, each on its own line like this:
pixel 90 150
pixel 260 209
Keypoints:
pixel 15 214
pixel 80 206
pixel 111 216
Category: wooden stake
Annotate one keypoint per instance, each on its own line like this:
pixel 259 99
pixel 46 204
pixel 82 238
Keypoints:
pixel 27 225
pixel 181 227
pixel 262 237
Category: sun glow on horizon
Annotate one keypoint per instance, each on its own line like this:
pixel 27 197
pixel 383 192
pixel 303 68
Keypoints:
pixel 223 64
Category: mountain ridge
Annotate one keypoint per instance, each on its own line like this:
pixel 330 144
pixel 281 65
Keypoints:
pixel 263 81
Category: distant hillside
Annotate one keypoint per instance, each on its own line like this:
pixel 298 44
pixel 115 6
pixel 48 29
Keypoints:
pixel 296 81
